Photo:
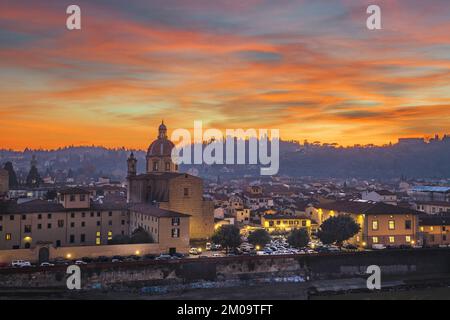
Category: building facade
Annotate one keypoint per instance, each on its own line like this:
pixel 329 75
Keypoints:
pixel 163 186
pixel 435 230
pixel 284 223
pixel 73 221
pixel 380 223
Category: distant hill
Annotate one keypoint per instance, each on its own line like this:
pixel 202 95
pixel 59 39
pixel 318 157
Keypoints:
pixel 411 159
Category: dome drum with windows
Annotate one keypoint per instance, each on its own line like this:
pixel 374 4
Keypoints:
pixel 159 159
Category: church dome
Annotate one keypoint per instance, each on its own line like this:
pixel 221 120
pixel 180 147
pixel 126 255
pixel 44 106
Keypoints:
pixel 162 146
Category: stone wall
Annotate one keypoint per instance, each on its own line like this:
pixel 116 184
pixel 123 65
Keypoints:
pixel 153 273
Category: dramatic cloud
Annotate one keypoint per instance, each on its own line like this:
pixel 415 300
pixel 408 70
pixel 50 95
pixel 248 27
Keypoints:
pixel 309 68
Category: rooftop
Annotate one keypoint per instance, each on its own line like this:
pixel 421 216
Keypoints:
pixel 370 208
pixel 155 211
pixel 430 189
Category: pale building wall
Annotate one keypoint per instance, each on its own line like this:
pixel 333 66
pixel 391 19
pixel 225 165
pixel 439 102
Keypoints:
pixel 58 227
pixel 186 196
pixel 72 201
pixel 32 255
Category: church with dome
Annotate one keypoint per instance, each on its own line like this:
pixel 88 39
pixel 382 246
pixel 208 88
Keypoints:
pixel 163 187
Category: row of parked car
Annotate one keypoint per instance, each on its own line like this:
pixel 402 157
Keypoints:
pixel 88 260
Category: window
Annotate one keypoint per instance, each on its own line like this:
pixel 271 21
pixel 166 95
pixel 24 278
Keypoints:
pixel 72 224
pixel 186 192
pixel 11 217
pixel 375 225
pixel 110 235
pixel 49 226
pixel 110 214
pixel 39 226
pixel 82 197
pixel 98 241
pixel 27 229
pixel 39 216
pixel 72 198
pixel 391 225
pixel 98 223
pixel 155 166
pixel 60 223
pixel 49 216
pixel 175 233
pixel 303 223
pixel 97 234
pixel 83 214
pixel 1 228
pixel 123 222
pixel 391 239
pixel 72 215
pixel 98 214
pixel 72 238
pixel 92 214
pixel 24 217
pixel 375 239
pixel 58 243
pixel 408 224
pixel 83 224
pixel 167 166
pixel 408 239
pixel 82 237
pixel 8 236
pixel 110 223
pixel 175 221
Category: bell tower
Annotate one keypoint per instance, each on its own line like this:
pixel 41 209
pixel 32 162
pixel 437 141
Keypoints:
pixel 131 162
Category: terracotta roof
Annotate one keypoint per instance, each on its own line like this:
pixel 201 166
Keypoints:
pixel 284 216
pixel 434 220
pixel 360 207
pixel 42 206
pixel 154 211
pixel 74 190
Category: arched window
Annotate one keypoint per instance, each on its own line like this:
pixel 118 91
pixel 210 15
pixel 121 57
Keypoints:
pixel 155 165
pixel 167 166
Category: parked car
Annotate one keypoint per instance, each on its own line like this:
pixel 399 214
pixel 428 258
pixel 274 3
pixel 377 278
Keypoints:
pixel 194 251
pixel 80 262
pixel 47 264
pixel 163 257
pixel 20 263
pixel 378 246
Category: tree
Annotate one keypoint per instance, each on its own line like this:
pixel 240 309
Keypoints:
pixel 33 178
pixel 259 237
pixel 228 236
pixel 298 238
pixel 338 229
pixel 51 194
pixel 139 235
pixel 13 183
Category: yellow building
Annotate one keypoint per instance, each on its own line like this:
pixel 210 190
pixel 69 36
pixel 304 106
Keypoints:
pixel 435 229
pixel 284 223
pixel 380 223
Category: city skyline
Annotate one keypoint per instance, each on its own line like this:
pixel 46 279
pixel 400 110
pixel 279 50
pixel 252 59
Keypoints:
pixel 310 69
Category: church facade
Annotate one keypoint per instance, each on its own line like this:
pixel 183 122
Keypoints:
pixel 163 186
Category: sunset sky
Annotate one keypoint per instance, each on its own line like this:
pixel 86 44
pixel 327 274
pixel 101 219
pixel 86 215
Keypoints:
pixel 309 68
